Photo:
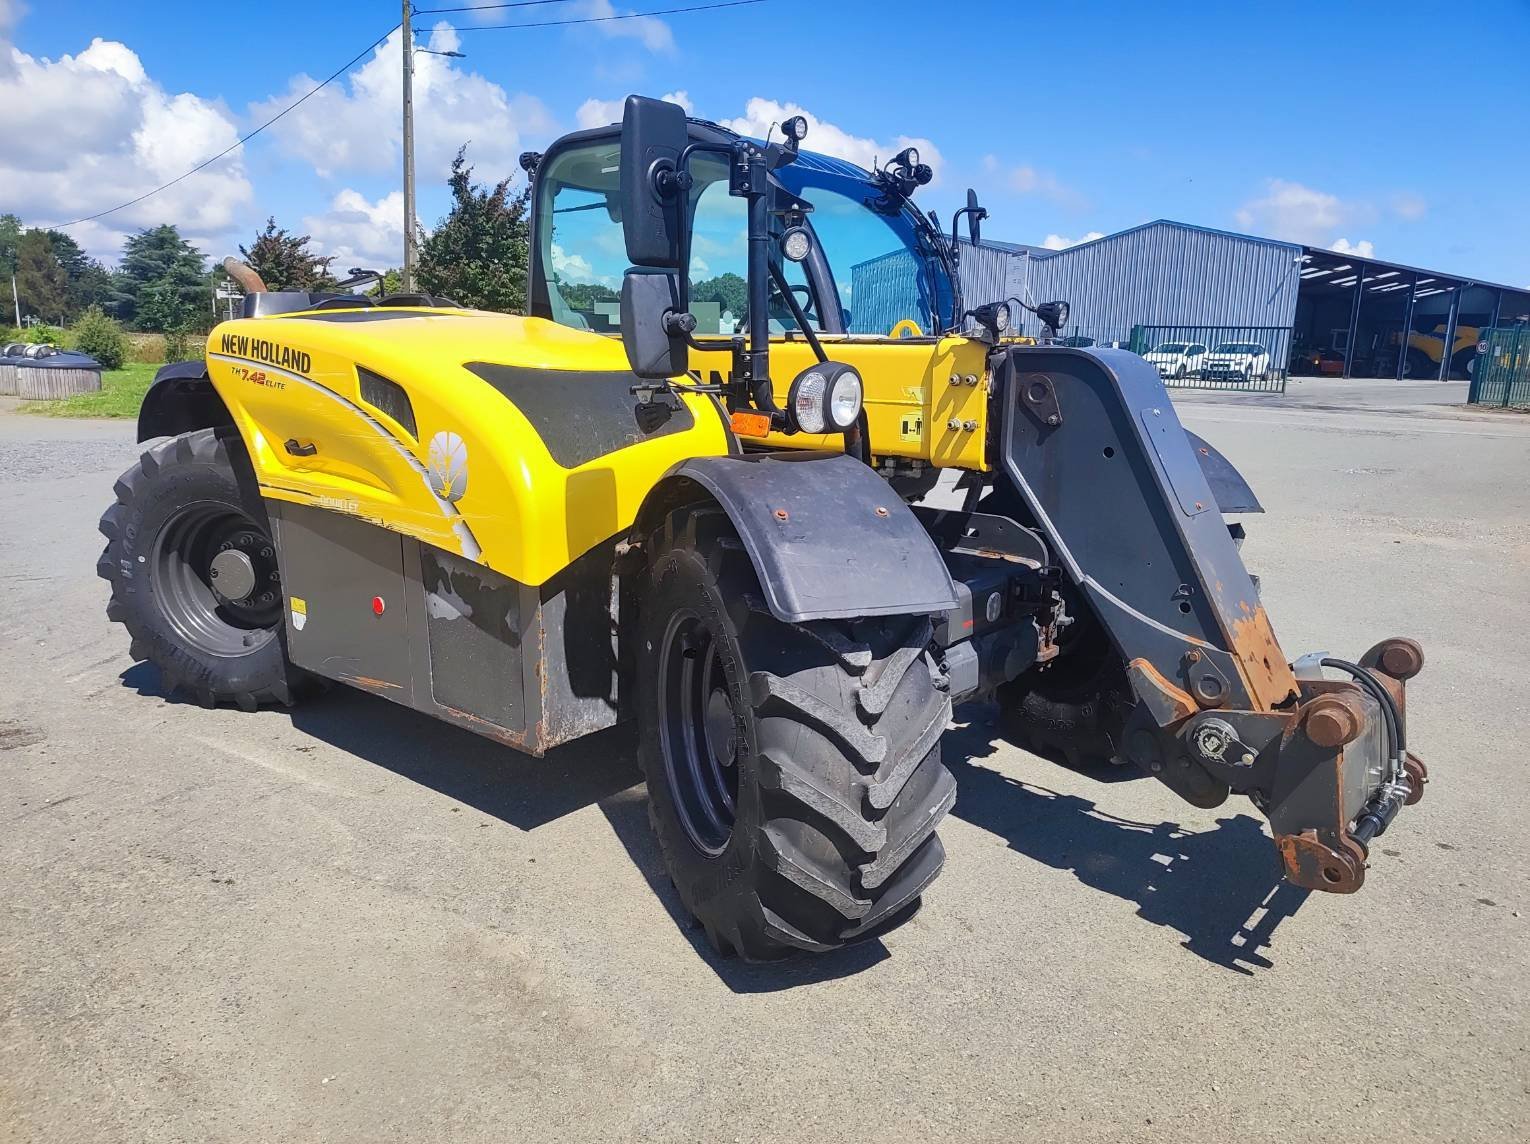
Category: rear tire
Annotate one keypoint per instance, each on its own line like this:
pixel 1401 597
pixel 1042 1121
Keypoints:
pixel 794 772
pixel 188 501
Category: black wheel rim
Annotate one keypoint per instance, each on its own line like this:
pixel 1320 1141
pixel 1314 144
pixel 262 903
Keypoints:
pixel 217 622
pixel 698 733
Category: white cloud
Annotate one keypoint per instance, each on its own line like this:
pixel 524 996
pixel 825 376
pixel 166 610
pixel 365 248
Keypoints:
pixel 762 115
pixel 1028 180
pixel 576 268
pixel 1296 213
pixel 1407 205
pixel 1058 242
pixel 651 32
pixel 354 126
pixel 83 133
pixel 602 112
pixel 1362 249
pixel 359 232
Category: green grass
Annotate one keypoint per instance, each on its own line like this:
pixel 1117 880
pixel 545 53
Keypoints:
pixel 121 394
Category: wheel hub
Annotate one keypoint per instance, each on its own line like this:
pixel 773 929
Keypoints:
pixel 233 575
pixel 698 733
pixel 216 579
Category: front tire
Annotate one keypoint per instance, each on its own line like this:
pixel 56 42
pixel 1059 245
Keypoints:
pixel 192 566
pixel 794 771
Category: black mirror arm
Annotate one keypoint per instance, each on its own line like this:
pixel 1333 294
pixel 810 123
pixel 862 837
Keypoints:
pixel 980 213
pixel 797 312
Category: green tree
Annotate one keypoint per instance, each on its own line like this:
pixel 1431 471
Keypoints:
pixel 284 261
pixel 101 338
pixel 162 259
pixel 392 282
pixel 41 281
pixel 728 290
pixel 164 308
pixel 10 235
pixel 584 295
pixel 89 281
pixel 479 254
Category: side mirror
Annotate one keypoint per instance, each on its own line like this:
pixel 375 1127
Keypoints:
pixel 653 327
pixel 975 217
pixel 652 188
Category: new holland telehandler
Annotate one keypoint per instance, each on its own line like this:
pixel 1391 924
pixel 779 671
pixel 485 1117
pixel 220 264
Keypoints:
pixel 682 492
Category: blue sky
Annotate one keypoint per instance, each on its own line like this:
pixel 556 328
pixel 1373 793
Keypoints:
pixel 1401 125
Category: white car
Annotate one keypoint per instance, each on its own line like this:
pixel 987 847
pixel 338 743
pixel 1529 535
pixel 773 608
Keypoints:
pixel 1177 359
pixel 1236 361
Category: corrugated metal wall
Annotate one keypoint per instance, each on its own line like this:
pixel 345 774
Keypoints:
pixel 1162 274
pixel 883 291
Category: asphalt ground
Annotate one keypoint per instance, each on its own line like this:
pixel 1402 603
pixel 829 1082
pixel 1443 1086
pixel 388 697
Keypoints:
pixel 348 922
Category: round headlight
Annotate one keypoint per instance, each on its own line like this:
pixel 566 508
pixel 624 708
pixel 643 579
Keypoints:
pixel 1001 317
pixel 796 244
pixel 845 399
pixel 807 401
pixel 826 398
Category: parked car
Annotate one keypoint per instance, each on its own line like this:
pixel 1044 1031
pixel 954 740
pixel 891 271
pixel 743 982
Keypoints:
pixel 1236 361
pixel 1176 359
pixel 1076 341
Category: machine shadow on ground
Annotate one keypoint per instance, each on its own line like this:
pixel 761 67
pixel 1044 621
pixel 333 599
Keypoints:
pixel 526 793
pixel 1208 886
pixel 1222 889
pixel 515 788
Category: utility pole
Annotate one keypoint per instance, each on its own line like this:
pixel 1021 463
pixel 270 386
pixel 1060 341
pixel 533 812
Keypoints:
pixel 408 282
pixel 15 297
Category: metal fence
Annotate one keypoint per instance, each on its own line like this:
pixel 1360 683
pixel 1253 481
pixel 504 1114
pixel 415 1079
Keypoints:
pixel 1248 359
pixel 1501 371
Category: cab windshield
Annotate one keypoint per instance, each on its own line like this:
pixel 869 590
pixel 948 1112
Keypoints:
pixel 875 263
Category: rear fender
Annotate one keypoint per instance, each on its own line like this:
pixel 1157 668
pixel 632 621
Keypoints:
pixel 181 399
pixel 828 537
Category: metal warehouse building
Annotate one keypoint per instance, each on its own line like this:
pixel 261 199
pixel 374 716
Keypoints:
pixel 1313 311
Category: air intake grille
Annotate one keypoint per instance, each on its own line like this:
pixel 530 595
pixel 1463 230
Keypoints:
pixel 389 397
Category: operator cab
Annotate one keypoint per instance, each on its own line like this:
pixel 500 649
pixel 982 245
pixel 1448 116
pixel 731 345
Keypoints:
pixel 874 264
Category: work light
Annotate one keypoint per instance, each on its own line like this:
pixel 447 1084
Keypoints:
pixel 825 398
pixel 796 243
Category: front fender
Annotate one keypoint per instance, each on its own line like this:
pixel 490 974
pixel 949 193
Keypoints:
pixel 828 537
pixel 180 399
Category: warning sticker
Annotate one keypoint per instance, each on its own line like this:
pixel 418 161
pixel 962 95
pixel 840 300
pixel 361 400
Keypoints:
pixel 912 428
pixel 299 613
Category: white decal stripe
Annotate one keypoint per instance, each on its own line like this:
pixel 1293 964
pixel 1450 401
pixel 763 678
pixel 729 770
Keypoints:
pixel 464 533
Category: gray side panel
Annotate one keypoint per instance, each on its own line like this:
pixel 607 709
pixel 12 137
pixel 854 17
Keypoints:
pixel 335 565
pixel 579 619
pixel 828 537
pixel 474 619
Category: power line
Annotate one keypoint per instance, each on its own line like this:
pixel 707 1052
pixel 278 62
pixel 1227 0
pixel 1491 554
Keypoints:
pixel 488 7
pixel 242 140
pixel 605 19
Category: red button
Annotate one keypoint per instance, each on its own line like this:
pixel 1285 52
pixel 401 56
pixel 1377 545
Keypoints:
pixel 377 605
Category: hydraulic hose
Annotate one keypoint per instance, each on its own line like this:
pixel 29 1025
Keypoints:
pixel 1378 815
